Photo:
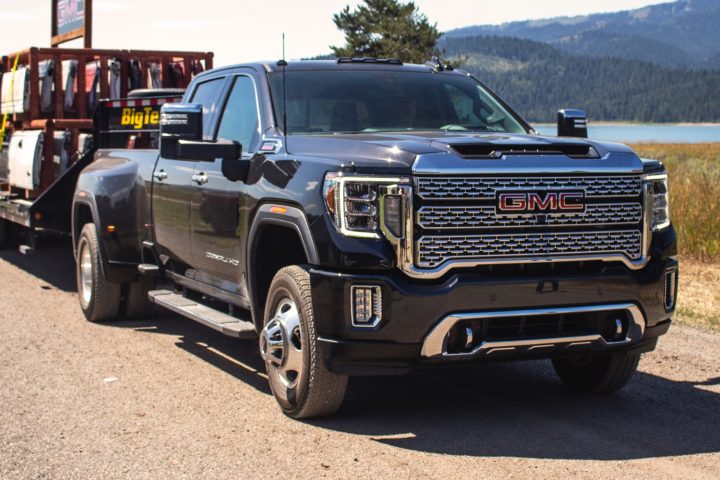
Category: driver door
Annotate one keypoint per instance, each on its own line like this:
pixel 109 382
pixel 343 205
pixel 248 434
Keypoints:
pixel 173 187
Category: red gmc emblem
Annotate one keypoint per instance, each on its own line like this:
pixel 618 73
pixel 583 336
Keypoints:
pixel 541 201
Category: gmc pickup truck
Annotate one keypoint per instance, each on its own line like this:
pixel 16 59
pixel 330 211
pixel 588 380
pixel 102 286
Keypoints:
pixel 365 217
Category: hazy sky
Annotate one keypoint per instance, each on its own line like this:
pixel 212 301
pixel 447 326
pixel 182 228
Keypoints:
pixel 244 30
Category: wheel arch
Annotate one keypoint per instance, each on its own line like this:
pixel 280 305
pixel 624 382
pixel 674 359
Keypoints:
pixel 84 211
pixel 275 225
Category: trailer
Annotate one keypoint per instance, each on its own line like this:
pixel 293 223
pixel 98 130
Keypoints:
pixel 49 98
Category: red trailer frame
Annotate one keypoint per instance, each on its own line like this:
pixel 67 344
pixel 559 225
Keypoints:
pixel 79 119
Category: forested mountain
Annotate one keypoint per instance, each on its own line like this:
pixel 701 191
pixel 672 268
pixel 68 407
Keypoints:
pixel 682 34
pixel 537 79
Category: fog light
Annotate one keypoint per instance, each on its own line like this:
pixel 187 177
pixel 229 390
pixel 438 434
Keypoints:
pixel 670 289
pixel 366 306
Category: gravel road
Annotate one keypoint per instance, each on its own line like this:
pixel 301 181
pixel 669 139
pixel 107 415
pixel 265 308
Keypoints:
pixel 165 398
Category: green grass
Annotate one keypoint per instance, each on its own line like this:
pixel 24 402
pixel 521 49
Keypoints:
pixel 694 195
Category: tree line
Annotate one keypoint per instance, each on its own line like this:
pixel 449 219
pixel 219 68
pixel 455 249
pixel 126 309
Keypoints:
pixel 537 80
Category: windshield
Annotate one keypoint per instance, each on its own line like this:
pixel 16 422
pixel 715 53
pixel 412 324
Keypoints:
pixel 354 101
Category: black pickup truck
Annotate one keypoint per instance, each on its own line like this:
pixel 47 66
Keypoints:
pixel 365 217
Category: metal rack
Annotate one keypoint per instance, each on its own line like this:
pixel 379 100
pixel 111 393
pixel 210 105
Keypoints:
pixel 79 118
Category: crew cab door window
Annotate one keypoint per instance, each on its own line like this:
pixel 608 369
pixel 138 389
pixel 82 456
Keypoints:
pixel 240 118
pixel 208 94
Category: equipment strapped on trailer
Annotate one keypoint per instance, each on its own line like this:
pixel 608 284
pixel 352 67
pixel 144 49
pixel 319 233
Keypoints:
pixel 11 92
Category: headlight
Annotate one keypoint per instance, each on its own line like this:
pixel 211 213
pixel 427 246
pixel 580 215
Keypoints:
pixel 354 203
pixel 659 201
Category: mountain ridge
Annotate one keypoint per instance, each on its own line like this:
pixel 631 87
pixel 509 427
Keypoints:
pixel 680 34
pixel 537 79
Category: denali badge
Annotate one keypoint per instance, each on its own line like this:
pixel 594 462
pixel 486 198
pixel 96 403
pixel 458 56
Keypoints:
pixel 541 201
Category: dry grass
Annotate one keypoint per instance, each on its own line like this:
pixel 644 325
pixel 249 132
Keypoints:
pixel 699 295
pixel 694 195
pixel 695 212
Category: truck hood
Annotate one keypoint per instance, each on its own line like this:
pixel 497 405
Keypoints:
pixel 398 150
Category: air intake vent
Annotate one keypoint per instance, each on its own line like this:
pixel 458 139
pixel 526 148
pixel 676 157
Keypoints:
pixel 490 150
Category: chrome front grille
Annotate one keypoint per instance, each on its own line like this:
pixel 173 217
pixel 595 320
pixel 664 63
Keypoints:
pixel 476 188
pixel 457 223
pixel 470 217
pixel 435 250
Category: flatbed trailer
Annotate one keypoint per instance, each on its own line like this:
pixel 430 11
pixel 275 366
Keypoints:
pixel 47 206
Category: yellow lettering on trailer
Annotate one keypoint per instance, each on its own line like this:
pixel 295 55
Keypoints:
pixel 126 117
pixel 139 118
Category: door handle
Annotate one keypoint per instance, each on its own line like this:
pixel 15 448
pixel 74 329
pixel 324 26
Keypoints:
pixel 160 176
pixel 200 178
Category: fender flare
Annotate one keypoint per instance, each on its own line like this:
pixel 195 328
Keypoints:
pixel 292 217
pixel 88 200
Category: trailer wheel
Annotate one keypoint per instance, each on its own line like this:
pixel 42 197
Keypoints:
pixel 99 299
pixel 137 304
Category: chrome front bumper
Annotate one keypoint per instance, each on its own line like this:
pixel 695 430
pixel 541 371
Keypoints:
pixel 435 343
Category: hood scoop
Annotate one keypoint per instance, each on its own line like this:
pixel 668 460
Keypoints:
pixel 497 150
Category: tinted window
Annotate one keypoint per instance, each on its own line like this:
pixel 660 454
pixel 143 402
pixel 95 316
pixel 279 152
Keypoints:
pixel 240 118
pixel 208 94
pixel 333 101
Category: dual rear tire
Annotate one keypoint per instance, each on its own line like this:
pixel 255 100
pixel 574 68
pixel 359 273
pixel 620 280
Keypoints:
pixel 100 299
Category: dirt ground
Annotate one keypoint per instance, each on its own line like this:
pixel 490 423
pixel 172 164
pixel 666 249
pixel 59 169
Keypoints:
pixel 165 398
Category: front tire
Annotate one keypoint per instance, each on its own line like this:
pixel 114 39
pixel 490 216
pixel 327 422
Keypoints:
pixel 300 382
pixel 599 374
pixel 99 299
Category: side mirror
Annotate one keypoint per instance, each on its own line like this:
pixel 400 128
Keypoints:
pixel 179 121
pixel 572 123
pixel 181 136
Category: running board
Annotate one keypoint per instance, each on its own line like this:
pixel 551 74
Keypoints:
pixel 222 322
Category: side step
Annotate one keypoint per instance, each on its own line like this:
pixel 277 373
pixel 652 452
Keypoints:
pixel 148 269
pixel 222 322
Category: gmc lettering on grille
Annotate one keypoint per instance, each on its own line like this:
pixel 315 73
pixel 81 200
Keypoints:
pixel 547 202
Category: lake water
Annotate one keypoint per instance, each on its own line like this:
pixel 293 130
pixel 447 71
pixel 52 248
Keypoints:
pixel 650 133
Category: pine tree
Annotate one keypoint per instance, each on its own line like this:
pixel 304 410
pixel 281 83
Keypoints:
pixel 387 29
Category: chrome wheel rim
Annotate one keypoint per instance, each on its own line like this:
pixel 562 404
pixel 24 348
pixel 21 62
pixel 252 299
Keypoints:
pixel 86 273
pixel 281 346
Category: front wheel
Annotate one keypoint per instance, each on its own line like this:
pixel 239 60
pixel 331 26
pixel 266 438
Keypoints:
pixel 99 299
pixel 300 382
pixel 598 374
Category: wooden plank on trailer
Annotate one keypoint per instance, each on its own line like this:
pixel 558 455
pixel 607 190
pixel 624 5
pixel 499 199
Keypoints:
pixel 124 75
pixel 59 111
pixel 47 170
pixel 33 61
pixel 104 76
pixel 81 97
